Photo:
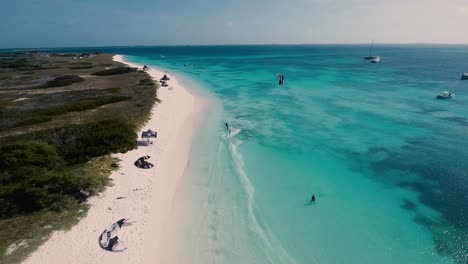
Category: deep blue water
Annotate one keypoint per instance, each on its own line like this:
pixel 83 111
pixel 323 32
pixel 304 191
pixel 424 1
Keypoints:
pixel 387 161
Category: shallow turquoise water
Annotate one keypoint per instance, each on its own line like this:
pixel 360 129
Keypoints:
pixel 385 159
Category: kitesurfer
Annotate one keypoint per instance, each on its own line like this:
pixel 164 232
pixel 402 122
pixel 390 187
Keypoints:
pixel 280 79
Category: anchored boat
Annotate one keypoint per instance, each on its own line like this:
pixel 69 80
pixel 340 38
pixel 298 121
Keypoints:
pixel 445 95
pixel 370 56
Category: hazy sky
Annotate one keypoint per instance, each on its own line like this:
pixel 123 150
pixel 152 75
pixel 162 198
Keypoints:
pixel 58 23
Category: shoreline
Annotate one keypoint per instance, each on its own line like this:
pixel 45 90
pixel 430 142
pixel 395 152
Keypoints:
pixel 147 194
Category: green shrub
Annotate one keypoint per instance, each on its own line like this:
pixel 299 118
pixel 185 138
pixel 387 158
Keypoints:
pixel 36 175
pixel 80 105
pixel 13 157
pixel 81 67
pixel 15 63
pixel 33 177
pixel 12 118
pixel 146 81
pixel 32 119
pixel 79 143
pixel 62 81
pixel 115 71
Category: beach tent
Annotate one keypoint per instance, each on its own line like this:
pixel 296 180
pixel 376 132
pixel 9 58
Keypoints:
pixel 149 134
pixel 165 78
pixel 111 238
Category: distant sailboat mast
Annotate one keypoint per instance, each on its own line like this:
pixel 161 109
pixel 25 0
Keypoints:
pixel 370 49
pixel 370 57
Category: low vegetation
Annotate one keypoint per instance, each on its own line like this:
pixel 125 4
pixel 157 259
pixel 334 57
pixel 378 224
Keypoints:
pixel 115 71
pixel 34 177
pixel 55 144
pixel 35 174
pixel 20 63
pixel 62 81
pixel 80 143
pixel 80 105
pixel 41 115
pixel 22 234
pixel 146 81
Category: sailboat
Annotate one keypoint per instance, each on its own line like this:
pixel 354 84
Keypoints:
pixel 445 95
pixel 372 57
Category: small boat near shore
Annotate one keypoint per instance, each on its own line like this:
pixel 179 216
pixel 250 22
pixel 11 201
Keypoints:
pixel 445 95
pixel 464 76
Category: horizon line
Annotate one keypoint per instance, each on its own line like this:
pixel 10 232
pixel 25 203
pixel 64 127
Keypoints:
pixel 214 45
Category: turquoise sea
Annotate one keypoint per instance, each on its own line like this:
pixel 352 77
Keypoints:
pixel 386 161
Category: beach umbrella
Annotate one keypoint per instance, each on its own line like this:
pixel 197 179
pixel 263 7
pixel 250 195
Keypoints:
pixel 152 133
pixel 149 134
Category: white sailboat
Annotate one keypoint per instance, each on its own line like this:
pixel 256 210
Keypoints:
pixel 445 95
pixel 372 57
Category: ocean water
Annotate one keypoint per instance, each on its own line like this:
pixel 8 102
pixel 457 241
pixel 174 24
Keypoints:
pixel 387 162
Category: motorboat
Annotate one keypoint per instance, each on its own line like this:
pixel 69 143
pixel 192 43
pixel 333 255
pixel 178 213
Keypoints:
pixel 445 95
pixel 375 60
pixel 464 76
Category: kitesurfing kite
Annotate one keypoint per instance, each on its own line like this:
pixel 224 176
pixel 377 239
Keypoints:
pixel 109 239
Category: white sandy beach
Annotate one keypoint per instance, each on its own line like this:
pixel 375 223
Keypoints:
pixel 148 194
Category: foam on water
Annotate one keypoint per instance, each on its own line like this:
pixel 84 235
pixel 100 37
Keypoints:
pixel 274 250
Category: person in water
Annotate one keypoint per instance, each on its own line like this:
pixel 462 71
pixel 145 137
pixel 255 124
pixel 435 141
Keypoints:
pixel 313 198
pixel 227 127
pixel 280 79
